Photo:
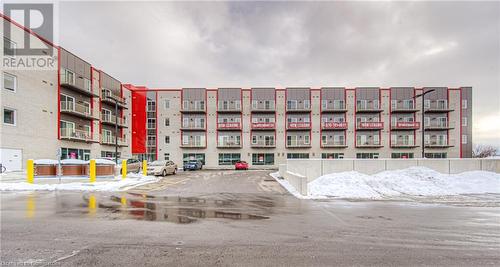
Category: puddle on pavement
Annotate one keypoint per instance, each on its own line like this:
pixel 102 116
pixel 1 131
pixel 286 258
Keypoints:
pixel 176 209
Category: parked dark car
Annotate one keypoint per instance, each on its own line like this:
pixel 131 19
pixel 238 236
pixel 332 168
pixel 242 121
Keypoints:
pixel 193 165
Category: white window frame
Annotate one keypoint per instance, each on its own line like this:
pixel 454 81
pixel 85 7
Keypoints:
pixel 166 103
pixel 464 139
pixel 464 121
pixel 167 138
pixel 12 46
pixel 307 139
pixel 464 103
pixel 6 74
pixel 166 120
pixel 15 116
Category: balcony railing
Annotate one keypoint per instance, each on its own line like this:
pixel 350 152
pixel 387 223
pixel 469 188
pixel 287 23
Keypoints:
pixel 193 106
pixel 402 125
pixel 68 79
pixel 228 144
pixel 112 119
pixel 436 106
pixel 438 125
pixel 263 106
pixel 263 125
pixel 370 125
pixel 110 140
pixel 305 105
pixel 368 143
pixel 228 125
pixel 401 142
pixel 297 143
pixel 263 143
pixel 73 134
pixel 193 144
pixel 438 143
pixel 193 126
pixel 369 106
pixel 333 143
pixel 79 109
pixel 333 125
pixel 336 105
pixel 298 125
pixel 107 95
pixel 229 106
pixel 403 106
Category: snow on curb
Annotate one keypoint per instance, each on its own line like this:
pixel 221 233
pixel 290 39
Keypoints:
pixel 116 184
pixel 414 181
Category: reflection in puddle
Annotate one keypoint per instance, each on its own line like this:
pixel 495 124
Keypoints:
pixel 182 209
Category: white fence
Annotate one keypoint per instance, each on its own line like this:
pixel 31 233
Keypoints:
pixel 299 172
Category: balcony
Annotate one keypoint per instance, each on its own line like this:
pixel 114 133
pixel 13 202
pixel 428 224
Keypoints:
pixel 110 140
pixel 333 106
pixel 368 144
pixel 263 106
pixel 333 143
pixel 297 144
pixel 263 144
pixel 405 125
pixel 263 125
pixel 402 143
pixel 229 106
pixel 439 125
pixel 229 144
pixel 298 126
pixel 370 125
pixel 438 144
pixel 68 81
pixel 229 126
pixel 334 125
pixel 75 135
pixel 368 106
pixel 298 106
pixel 110 98
pixel 193 107
pixel 112 120
pixel 193 145
pixel 436 106
pixel 193 126
pixel 72 108
pixel 402 106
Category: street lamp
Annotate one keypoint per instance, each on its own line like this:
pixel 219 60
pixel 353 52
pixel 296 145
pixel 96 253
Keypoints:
pixel 423 116
pixel 116 129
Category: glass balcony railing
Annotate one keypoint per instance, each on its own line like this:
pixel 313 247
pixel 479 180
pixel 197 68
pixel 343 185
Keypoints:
pixel 298 105
pixel 72 107
pixel 367 142
pixel 332 105
pixel 438 125
pixel 195 125
pixel 298 143
pixel 263 143
pixel 109 118
pixel 333 143
pixel 229 105
pixel 263 105
pixel 107 95
pixel 193 106
pixel 367 105
pixel 234 143
pixel 74 134
pixel 110 140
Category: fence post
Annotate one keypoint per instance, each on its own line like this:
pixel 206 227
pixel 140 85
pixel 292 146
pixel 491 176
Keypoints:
pixel 144 167
pixel 124 169
pixel 92 170
pixel 30 171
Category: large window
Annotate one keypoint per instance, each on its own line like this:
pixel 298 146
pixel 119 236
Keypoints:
pixel 367 155
pixel 167 121
pixel 332 155
pixel 402 155
pixel 297 155
pixel 435 155
pixel 9 82
pixel 167 139
pixel 229 158
pixel 192 156
pixel 9 47
pixel 263 159
pixel 9 116
pixel 109 154
pixel 74 153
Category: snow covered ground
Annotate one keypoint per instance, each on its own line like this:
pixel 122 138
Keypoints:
pixel 414 181
pixel 78 183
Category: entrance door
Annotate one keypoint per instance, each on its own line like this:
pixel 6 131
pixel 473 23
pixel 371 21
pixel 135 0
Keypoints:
pixel 11 159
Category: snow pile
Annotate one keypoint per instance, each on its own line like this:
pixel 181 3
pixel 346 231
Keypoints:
pixel 116 184
pixel 73 162
pixel 414 181
pixel 45 161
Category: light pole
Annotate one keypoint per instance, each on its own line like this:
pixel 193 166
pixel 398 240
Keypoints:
pixel 116 130
pixel 423 117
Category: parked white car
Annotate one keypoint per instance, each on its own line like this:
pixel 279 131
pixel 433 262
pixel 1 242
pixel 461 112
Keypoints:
pixel 162 167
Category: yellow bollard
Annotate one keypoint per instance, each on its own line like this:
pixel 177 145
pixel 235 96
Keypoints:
pixel 30 206
pixel 30 171
pixel 144 167
pixel 124 169
pixel 92 206
pixel 92 170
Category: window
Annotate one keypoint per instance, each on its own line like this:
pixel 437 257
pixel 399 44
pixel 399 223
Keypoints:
pixel 436 155
pixel 167 139
pixel 167 121
pixel 83 154
pixel 151 123
pixel 464 121
pixel 151 141
pixel 9 116
pixel 166 156
pixel 367 155
pixel 109 154
pixel 194 156
pixel 68 103
pixel 166 103
pixel 464 104
pixel 86 84
pixel 332 155
pixel 9 47
pixel 464 139
pixel 402 155
pixel 151 106
pixel 229 158
pixel 427 103
pixel 67 76
pixel 9 82
pixel 297 155
pixel 263 159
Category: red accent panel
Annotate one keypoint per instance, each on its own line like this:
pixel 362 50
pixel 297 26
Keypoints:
pixel 139 122
pixel 58 93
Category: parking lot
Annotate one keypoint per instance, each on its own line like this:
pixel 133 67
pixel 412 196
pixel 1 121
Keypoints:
pixel 239 218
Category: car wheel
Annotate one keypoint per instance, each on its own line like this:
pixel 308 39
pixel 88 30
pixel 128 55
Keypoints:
pixel 164 173
pixel 175 170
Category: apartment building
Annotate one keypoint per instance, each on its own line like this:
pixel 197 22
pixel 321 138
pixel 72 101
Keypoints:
pixel 266 126
pixel 74 109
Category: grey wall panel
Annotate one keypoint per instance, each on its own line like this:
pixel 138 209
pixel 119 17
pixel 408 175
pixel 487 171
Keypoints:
pixel 229 94
pixel 367 93
pixel 263 93
pixel 193 94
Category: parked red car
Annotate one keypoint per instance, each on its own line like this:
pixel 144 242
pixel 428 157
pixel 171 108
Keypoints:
pixel 241 165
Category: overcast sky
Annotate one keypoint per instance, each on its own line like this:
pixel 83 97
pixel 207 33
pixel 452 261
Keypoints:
pixel 251 44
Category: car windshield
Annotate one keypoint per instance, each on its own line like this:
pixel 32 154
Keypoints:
pixel 158 163
pixel 193 161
